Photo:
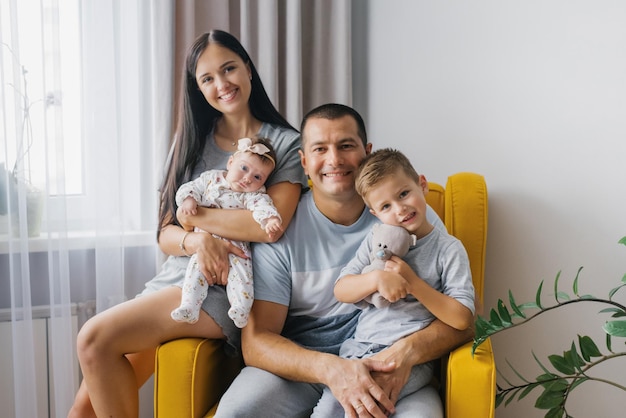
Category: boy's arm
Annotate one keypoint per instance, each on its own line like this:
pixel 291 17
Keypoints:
pixel 352 288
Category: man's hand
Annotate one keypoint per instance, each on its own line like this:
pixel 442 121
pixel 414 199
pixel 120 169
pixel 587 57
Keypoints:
pixel 392 381
pixel 353 386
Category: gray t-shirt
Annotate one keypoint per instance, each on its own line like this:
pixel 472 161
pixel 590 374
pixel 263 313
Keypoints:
pixel 299 271
pixel 286 143
pixel 441 261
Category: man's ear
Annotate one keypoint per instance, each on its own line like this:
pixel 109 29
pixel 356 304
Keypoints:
pixel 303 161
pixel 368 148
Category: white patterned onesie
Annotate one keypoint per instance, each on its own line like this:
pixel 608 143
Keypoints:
pixel 212 190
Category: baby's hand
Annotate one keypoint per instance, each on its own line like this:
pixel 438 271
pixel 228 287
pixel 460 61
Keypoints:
pixel 273 226
pixel 189 206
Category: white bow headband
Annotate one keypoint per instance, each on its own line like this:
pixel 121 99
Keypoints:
pixel 245 145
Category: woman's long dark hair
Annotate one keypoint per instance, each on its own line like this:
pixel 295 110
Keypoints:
pixel 196 118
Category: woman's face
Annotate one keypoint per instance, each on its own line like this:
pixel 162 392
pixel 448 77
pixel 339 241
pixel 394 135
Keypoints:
pixel 223 79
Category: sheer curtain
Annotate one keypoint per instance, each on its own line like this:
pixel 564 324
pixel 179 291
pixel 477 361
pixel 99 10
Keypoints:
pixel 302 49
pixel 85 119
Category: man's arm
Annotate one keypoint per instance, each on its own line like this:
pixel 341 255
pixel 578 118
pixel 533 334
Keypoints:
pixel 422 346
pixel 349 380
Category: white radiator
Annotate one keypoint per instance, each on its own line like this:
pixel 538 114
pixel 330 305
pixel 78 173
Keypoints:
pixel 41 338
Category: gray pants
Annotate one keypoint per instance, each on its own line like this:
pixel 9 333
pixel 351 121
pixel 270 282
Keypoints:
pixel 257 393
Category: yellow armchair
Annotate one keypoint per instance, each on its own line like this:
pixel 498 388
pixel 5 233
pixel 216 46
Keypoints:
pixel 192 373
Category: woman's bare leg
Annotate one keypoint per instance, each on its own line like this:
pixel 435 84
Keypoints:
pixel 143 366
pixel 112 376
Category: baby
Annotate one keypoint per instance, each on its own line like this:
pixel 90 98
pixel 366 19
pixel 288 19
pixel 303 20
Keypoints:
pixel 241 186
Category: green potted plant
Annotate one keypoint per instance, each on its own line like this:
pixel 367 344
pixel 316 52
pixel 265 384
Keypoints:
pixel 561 373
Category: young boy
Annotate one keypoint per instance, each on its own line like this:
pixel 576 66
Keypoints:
pixel 432 280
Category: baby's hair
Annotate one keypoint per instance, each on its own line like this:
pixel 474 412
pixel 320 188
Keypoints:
pixel 269 157
pixel 380 164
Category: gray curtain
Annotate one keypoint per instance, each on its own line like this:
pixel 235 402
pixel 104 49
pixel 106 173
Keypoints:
pixel 302 49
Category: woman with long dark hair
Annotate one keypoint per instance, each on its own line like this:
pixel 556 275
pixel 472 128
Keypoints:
pixel 222 100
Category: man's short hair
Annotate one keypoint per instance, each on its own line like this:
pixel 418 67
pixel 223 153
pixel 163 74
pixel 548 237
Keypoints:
pixel 333 111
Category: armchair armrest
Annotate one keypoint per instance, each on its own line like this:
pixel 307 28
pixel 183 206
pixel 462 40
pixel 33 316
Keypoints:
pixel 190 376
pixel 470 382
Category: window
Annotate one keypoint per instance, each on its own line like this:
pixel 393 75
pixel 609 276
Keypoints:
pixel 41 93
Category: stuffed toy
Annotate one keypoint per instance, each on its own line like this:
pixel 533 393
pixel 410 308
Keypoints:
pixel 387 240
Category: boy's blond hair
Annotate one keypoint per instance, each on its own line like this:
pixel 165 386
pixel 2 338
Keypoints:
pixel 380 164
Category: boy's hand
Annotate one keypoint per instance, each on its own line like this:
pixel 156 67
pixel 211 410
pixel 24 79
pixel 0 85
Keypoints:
pixel 397 265
pixel 392 286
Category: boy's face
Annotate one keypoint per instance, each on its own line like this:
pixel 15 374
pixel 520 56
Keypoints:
pixel 247 172
pixel 331 152
pixel 398 200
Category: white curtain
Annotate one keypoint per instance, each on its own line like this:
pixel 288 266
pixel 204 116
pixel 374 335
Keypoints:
pixel 85 119
pixel 86 112
pixel 302 49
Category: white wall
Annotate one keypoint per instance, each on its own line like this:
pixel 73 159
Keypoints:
pixel 531 94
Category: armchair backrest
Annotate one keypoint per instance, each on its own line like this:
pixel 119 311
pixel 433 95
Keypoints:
pixel 463 207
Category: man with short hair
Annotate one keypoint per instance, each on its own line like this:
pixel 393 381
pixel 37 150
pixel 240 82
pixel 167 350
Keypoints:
pixel 296 325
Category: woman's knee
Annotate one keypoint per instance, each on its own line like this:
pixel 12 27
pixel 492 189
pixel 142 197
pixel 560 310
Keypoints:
pixel 91 341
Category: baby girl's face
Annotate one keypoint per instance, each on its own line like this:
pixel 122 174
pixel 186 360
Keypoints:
pixel 247 172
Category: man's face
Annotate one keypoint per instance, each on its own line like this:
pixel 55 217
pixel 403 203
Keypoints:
pixel 332 151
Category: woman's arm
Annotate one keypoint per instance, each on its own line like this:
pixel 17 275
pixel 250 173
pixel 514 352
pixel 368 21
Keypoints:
pixel 239 225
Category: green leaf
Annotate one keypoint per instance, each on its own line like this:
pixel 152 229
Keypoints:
pixel 575 285
pixel 527 390
pixel 561 364
pixel 622 241
pixel 615 328
pixel 608 342
pixel 576 383
pixel 514 306
pixel 522 378
pixel 555 412
pixel 538 296
pixel 562 296
pixel 617 312
pixel 615 289
pixel 494 318
pixel 550 400
pixel 529 305
pixel 542 366
pixel 503 377
pixel 624 279
pixel 499 398
pixel 556 287
pixel 504 314
pixel 588 348
pixel 546 378
pixel 573 358
pixel 512 397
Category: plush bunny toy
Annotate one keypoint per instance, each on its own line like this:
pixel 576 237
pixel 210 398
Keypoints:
pixel 387 240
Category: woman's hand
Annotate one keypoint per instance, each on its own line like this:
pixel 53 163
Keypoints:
pixel 212 255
